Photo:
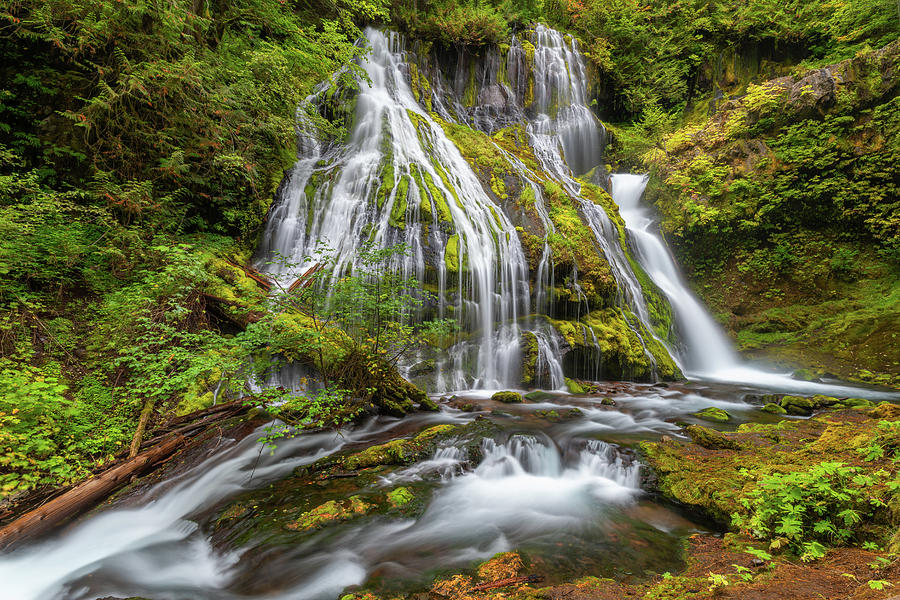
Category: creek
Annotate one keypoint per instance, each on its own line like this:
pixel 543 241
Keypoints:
pixel 558 479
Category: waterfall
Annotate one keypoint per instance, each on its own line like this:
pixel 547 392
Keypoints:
pixel 706 349
pixel 706 352
pixel 399 179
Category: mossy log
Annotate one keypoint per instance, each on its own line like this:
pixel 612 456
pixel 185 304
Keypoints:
pixel 85 496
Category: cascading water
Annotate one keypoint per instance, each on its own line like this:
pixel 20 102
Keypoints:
pixel 706 348
pixel 398 175
pixel 706 351
pixel 400 180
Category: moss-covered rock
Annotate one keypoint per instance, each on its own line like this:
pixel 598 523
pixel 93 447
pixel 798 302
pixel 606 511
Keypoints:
pixel 710 438
pixel 574 387
pixel 508 397
pixel 773 408
pixel 400 497
pixel 798 405
pixel 716 415
pixel 397 452
pixel 331 511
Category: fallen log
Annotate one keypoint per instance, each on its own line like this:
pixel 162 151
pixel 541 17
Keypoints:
pixel 305 280
pixel 193 426
pixel 85 496
pixel 261 280
pixel 499 583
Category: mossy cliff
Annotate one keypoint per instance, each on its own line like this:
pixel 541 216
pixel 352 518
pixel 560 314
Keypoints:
pixel 782 206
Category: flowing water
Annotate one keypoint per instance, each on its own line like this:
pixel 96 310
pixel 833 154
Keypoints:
pixel 557 478
pixel 707 353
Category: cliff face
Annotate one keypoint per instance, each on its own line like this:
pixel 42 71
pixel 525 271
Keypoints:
pixel 783 206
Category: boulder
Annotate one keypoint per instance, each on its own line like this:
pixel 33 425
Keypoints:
pixel 508 397
pixel 716 415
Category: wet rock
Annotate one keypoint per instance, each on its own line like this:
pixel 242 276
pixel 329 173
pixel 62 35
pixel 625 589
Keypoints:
pixel 428 404
pixel 331 511
pixel 710 438
pixel 716 415
pixel 397 452
pixel 538 396
pixel 608 401
pixel 462 405
pixel 400 497
pixel 857 403
pixel 773 408
pixel 574 387
pixel 508 397
pixel 798 405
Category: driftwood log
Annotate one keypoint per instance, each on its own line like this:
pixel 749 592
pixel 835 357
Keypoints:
pixel 69 503
pixel 85 496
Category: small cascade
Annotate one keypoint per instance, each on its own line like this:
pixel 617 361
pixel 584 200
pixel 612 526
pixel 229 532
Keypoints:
pixel 705 347
pixel 706 352
pixel 567 135
pixel 548 371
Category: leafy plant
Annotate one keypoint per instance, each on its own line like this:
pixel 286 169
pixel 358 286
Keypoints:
pixel 827 504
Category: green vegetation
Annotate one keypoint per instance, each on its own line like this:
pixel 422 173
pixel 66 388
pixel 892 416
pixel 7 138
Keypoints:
pixel 783 208
pixel 801 486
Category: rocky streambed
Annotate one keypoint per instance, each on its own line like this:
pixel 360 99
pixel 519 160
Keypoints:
pixel 556 495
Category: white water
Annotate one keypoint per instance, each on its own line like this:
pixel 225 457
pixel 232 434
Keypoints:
pixel 521 489
pixel 491 293
pixel 707 353
pixel 128 541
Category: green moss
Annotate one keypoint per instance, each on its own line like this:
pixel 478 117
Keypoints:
pixel 710 438
pixel 773 408
pixel 529 346
pixel 397 452
pixel 398 210
pixel 574 387
pixel 331 511
pixel 508 397
pixel 451 254
pixel 400 497
pixel 716 415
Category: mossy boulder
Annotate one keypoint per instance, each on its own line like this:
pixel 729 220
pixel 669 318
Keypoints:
pixel 400 497
pixel 773 408
pixel 798 405
pixel 716 415
pixel 608 401
pixel 397 452
pixel 508 397
pixel 574 387
pixel 333 510
pixel 710 438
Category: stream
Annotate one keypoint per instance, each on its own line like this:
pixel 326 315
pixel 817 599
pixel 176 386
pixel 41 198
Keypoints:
pixel 558 480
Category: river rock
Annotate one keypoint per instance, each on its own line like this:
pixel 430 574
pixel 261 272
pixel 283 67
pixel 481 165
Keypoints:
pixel 716 415
pixel 710 438
pixel 508 397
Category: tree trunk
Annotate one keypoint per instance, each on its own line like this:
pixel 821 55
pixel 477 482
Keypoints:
pixel 84 496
